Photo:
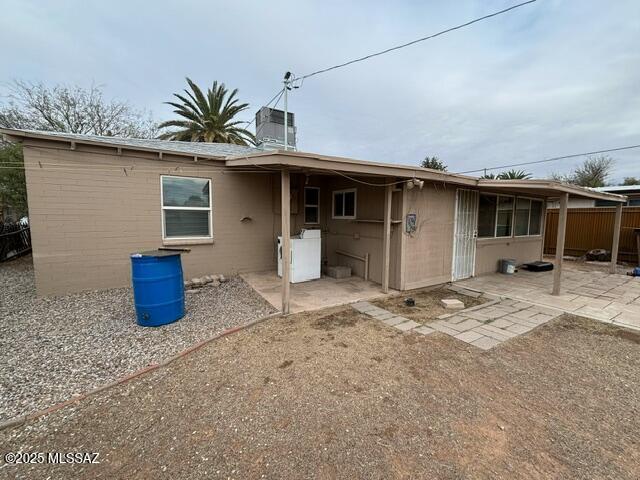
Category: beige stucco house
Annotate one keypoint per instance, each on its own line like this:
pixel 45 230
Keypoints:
pixel 94 200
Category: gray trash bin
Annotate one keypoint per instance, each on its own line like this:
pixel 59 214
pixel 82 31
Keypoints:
pixel 508 266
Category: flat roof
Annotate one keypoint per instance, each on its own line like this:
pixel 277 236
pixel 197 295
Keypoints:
pixel 244 156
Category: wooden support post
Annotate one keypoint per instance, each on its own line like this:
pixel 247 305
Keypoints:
pixel 562 229
pixel 286 239
pixel 616 238
pixel 386 238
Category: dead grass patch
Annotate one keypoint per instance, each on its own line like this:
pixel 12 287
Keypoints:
pixel 428 307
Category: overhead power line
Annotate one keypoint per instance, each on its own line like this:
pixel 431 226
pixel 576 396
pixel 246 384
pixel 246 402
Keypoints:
pixel 279 94
pixel 553 159
pixel 413 42
pixel 276 96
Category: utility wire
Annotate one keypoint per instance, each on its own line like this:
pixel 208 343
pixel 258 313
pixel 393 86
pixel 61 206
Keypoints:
pixel 553 159
pixel 398 47
pixel 277 95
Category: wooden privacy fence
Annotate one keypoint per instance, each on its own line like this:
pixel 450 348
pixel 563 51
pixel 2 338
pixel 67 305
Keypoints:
pixel 589 228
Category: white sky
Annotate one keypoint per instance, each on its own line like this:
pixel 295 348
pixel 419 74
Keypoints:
pixel 552 78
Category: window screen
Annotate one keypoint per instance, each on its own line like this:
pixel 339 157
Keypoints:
pixel 186 207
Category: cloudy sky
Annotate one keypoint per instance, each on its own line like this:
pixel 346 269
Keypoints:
pixel 548 79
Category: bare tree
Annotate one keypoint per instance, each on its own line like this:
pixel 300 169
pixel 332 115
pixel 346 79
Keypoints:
pixel 594 172
pixel 74 110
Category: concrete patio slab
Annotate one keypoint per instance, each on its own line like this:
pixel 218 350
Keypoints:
pixel 586 292
pixel 424 330
pixel 394 321
pixel 485 343
pixel 469 336
pixel 315 294
pixel 406 326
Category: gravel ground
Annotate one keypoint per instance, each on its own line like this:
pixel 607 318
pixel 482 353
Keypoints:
pixel 334 394
pixel 53 348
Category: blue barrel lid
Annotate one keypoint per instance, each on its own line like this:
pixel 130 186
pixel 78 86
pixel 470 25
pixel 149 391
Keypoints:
pixel 156 253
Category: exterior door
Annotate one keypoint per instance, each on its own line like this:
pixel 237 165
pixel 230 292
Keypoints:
pixel 465 234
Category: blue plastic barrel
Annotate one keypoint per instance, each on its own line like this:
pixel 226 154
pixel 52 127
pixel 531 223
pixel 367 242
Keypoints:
pixel 158 289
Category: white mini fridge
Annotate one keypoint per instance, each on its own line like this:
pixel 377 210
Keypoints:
pixel 306 256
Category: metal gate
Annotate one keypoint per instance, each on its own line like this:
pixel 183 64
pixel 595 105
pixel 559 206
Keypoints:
pixel 465 234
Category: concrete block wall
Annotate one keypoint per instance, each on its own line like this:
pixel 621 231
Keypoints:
pixel 87 216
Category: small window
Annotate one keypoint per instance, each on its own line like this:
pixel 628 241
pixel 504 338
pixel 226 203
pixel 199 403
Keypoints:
pixel 186 207
pixel 487 216
pixel 634 202
pixel 504 216
pixel 344 204
pixel 311 205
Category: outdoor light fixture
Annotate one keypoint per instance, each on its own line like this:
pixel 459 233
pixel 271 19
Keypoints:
pixel 414 182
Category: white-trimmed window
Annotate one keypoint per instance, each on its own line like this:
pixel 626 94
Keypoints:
pixel 186 207
pixel 506 216
pixel 528 220
pixel 311 205
pixel 344 204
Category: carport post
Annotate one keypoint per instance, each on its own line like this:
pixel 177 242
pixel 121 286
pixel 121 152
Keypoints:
pixel 616 238
pixel 562 229
pixel 286 238
pixel 386 238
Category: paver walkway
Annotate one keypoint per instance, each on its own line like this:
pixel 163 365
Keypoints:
pixel 523 301
pixel 609 298
pixel 483 326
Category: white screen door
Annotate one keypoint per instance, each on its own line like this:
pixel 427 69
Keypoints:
pixel 466 231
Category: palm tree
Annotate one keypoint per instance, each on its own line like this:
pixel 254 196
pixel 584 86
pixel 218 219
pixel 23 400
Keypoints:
pixel 489 176
pixel 207 118
pixel 514 175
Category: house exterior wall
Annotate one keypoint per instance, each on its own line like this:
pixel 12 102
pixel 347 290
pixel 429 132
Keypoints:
pixel 489 251
pixel 428 252
pixel 363 235
pixel 360 236
pixel 88 216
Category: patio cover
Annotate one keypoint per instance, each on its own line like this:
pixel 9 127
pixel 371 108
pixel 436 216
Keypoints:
pixel 292 161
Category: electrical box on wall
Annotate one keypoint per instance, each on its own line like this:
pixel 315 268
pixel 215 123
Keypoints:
pixel 411 223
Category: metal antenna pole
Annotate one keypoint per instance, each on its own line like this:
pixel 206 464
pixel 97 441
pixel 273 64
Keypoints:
pixel 286 115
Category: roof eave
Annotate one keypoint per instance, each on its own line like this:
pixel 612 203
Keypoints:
pixel 313 161
pixel 13 135
pixel 552 186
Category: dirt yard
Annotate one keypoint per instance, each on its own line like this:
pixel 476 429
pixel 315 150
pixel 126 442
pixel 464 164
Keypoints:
pixel 428 306
pixel 334 394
